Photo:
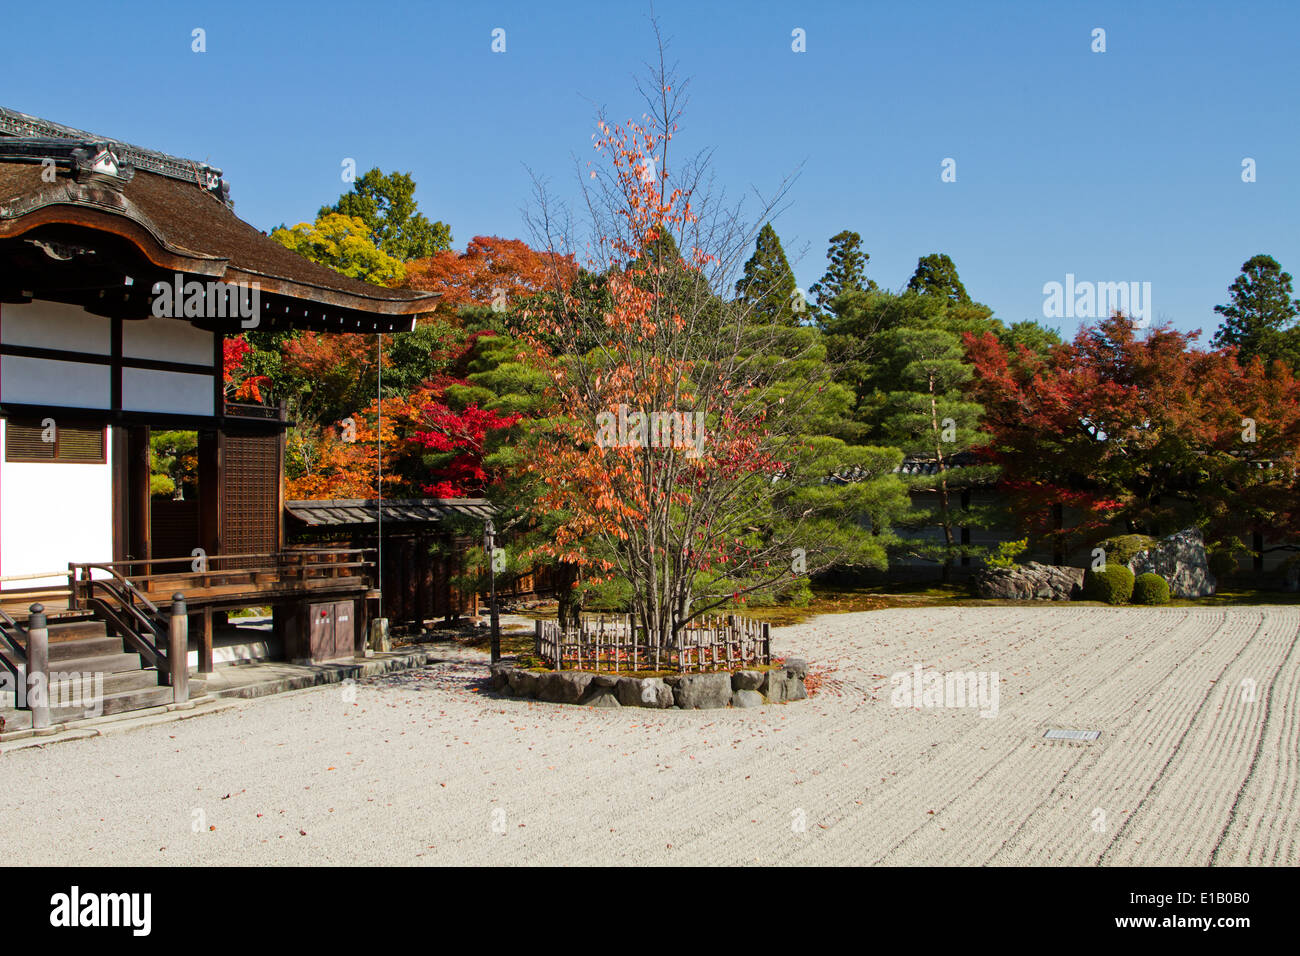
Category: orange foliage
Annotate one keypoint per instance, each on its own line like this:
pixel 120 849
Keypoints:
pixel 489 267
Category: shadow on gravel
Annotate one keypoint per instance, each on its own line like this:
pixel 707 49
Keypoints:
pixel 446 677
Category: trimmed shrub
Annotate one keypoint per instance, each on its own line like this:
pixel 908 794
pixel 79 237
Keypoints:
pixel 1123 548
pixel 1006 553
pixel 1112 584
pixel 1150 589
pixel 1223 564
pixel 1224 557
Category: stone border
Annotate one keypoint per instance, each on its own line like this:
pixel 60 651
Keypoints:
pixel 746 688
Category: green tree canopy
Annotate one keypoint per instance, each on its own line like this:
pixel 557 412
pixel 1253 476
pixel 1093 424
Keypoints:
pixel 343 243
pixel 767 285
pixel 1261 319
pixel 846 272
pixel 936 275
pixel 386 204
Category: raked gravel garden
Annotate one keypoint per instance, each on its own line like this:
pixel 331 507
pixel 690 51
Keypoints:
pixel 1196 759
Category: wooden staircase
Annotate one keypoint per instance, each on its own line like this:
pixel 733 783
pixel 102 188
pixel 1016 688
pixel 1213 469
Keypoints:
pixel 84 650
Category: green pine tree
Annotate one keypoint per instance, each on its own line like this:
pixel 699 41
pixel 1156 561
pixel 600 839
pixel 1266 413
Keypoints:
pixel 767 287
pixel 936 275
pixel 1261 320
pixel 929 418
pixel 846 273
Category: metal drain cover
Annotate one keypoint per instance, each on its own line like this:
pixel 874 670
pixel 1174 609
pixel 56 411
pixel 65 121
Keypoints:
pixel 1072 735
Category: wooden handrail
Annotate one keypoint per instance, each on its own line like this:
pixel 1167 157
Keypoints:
pixel 281 556
pixel 124 612
pixel 7 642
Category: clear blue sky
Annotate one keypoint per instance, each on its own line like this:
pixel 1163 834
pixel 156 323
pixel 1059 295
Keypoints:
pixel 1115 166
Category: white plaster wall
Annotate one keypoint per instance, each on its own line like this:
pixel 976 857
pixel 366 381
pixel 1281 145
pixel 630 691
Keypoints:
pixel 170 340
pixel 36 381
pixel 56 325
pixel 52 513
pixel 53 325
pixel 147 390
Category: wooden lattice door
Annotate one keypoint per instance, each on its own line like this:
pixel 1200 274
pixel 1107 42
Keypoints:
pixel 250 494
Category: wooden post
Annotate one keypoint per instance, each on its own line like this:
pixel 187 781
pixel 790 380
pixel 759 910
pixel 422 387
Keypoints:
pixel 767 643
pixel 361 639
pixel 537 638
pixel 178 650
pixel 38 667
pixel 205 643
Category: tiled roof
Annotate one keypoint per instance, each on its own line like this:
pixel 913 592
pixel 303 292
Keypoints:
pixel 344 512
pixel 176 212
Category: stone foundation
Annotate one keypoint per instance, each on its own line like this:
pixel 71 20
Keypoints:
pixel 685 691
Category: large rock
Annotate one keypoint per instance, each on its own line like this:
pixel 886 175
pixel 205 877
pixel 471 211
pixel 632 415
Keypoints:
pixel 601 697
pixel 796 667
pixel 522 682
pixel 500 676
pixel 644 692
pixel 746 698
pixel 1030 582
pixel 703 691
pixel 746 680
pixel 783 684
pixel 1181 560
pixel 563 687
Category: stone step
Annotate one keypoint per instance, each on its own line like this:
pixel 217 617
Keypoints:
pixel 113 683
pixel 108 663
pixel 119 702
pixel 114 704
pixel 76 630
pixel 84 647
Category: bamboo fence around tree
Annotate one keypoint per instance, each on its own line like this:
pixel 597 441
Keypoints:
pixel 615 643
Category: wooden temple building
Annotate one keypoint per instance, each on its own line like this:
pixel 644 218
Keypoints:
pixel 92 233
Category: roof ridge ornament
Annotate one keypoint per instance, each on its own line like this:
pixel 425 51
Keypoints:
pixel 98 163
pixel 208 178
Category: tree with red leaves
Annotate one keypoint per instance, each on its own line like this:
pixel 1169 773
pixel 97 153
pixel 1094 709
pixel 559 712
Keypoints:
pixel 241 384
pixel 494 272
pixel 686 454
pixel 432 446
pixel 1141 430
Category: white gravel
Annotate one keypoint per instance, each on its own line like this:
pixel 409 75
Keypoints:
pixel 426 767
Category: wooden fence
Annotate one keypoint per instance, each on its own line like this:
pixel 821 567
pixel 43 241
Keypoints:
pixel 616 643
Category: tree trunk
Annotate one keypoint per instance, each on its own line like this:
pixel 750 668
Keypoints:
pixel 566 593
pixel 944 509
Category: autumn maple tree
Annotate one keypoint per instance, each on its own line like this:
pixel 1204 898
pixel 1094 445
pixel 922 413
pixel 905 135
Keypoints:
pixel 428 446
pixel 491 272
pixel 1141 430
pixel 241 383
pixel 685 454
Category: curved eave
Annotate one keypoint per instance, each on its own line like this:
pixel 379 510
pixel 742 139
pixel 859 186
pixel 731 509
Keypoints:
pixel 111 212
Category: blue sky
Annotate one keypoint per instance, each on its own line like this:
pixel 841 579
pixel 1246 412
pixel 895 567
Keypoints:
pixel 1115 166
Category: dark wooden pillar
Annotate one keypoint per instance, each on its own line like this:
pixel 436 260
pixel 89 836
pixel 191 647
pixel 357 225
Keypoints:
pixel 210 491
pixel 137 493
pixel 425 564
pixel 205 643
pixel 408 580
